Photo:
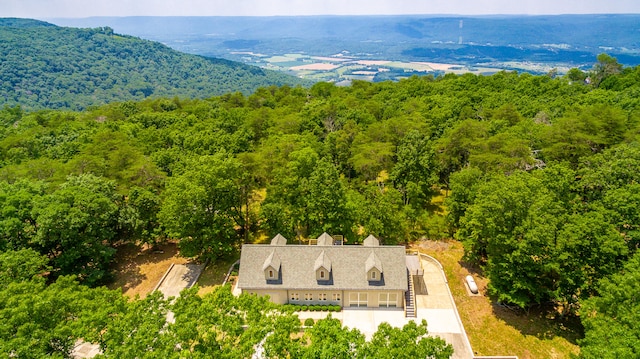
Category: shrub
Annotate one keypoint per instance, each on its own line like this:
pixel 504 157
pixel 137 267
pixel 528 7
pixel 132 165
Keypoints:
pixel 304 308
pixel 309 322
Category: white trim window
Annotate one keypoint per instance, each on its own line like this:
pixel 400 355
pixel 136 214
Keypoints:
pixel 388 300
pixel 308 296
pixel 358 299
pixel 322 297
pixel 295 296
pixel 335 297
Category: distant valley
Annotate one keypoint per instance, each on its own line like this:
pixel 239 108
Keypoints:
pixel 376 48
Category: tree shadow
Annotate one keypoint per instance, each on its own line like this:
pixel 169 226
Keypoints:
pixel 129 257
pixel 543 321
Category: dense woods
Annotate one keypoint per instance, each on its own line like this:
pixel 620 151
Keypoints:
pixel 46 66
pixel 540 175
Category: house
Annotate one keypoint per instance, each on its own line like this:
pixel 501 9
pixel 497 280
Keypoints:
pixel 368 275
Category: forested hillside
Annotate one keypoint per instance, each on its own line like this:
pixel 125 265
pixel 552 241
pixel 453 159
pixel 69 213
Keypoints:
pixel 540 176
pixel 45 66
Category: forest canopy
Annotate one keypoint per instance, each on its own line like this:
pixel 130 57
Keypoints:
pixel 540 175
pixel 46 66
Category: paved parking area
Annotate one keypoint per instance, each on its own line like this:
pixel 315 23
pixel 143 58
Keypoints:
pixel 179 277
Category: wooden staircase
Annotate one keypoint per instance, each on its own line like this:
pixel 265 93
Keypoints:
pixel 410 298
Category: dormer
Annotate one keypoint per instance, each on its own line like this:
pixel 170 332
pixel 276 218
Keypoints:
pixel 271 267
pixel 278 240
pixel 322 267
pixel 373 267
pixel 371 241
pixel 325 240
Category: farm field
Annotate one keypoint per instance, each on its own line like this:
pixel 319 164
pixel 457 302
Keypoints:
pixel 345 67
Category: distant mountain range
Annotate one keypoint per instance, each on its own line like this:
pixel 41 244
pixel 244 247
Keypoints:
pixel 47 66
pixel 563 40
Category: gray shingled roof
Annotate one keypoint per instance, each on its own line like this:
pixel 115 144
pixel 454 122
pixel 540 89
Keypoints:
pixel 374 262
pixel 348 267
pixel 322 261
pixel 272 261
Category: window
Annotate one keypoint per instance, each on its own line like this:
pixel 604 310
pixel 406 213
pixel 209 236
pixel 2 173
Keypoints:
pixel 322 274
pixel 270 273
pixel 373 275
pixel 336 297
pixel 322 296
pixel 295 296
pixel 388 299
pixel 308 296
pixel 357 299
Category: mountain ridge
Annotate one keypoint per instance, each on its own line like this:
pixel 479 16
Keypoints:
pixel 61 67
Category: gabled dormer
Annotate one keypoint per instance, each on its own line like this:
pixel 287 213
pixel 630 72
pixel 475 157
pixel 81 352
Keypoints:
pixel 322 268
pixel 373 267
pixel 325 240
pixel 271 268
pixel 278 240
pixel 371 241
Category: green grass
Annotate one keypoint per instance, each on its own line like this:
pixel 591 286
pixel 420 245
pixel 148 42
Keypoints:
pixel 213 275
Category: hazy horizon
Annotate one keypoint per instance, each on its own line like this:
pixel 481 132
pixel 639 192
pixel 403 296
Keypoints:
pixel 45 9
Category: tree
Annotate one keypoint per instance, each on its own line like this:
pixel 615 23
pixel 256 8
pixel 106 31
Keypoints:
pixel 576 75
pixel 369 157
pixel 221 325
pixel 464 186
pixel 455 147
pixel 76 225
pixel 22 265
pixel 202 206
pixel 414 172
pixel 327 206
pixel 139 330
pixel 511 229
pixel 144 205
pixel 589 249
pixel 285 208
pixel 605 67
pixel 40 321
pixel 611 319
pixel 381 212
pixel 17 223
pixel 329 339
pixel 624 208
pixel 409 342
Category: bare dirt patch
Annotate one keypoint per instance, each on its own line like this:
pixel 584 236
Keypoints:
pixel 138 269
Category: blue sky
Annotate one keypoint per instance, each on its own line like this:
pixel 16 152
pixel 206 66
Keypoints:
pixel 43 9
